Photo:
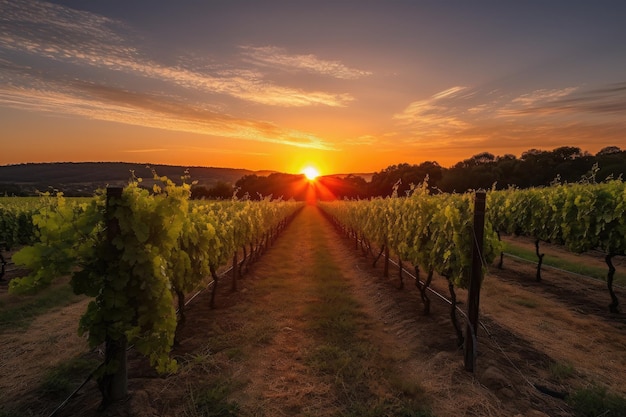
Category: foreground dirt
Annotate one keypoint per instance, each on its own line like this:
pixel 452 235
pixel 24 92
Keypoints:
pixel 528 329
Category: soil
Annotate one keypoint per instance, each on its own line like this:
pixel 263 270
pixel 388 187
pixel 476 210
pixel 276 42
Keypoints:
pixel 528 330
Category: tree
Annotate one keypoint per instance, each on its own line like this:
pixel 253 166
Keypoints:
pixel 565 153
pixel 476 160
pixel 403 175
pixel 609 150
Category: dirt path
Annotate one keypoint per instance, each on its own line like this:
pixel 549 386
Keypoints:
pixel 259 343
pixel 254 354
pixel 26 354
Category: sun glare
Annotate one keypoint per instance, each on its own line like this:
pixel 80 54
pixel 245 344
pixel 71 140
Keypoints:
pixel 310 173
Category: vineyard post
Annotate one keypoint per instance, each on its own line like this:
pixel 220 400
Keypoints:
pixel 114 383
pixel 235 270
pixel 473 296
pixel 386 264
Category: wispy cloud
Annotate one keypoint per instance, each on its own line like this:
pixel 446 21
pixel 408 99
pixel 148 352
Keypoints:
pixel 67 36
pixel 542 96
pixel 608 101
pixel 467 118
pixel 102 102
pixel 279 58
pixel 55 32
pixel 436 115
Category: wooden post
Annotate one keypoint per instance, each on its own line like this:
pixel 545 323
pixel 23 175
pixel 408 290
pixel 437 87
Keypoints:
pixel 473 296
pixel 235 271
pixel 113 383
pixel 386 264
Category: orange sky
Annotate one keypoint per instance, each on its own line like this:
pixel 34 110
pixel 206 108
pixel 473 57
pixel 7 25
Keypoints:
pixel 343 86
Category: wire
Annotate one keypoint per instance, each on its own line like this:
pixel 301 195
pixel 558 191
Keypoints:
pixel 539 388
pixel 67 400
pixel 480 252
pixel 544 265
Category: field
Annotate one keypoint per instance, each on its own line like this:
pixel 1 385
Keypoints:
pixel 315 331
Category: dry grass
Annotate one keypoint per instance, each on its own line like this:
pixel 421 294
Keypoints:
pixel 26 355
pixel 595 348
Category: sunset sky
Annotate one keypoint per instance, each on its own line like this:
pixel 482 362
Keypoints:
pixel 346 86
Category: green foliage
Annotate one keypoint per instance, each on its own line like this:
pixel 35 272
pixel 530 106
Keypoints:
pixel 66 232
pixel 130 253
pixel 16 225
pixel 561 371
pixel 433 231
pixel 596 401
pixel 580 216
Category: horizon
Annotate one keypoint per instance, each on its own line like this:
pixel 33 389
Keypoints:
pixel 301 172
pixel 350 87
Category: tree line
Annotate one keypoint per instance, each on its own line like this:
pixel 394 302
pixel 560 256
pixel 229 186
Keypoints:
pixel 482 171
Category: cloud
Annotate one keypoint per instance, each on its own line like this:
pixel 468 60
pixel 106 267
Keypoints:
pixel 103 102
pixel 542 96
pixel 83 39
pixel 464 118
pixel 55 32
pixel 436 115
pixel 450 92
pixel 277 57
pixel 608 101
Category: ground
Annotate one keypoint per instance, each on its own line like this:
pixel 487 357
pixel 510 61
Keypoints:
pixel 258 342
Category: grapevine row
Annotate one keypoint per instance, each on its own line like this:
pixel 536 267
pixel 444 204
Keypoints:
pixel 16 226
pixel 133 252
pixel 432 232
pixel 579 216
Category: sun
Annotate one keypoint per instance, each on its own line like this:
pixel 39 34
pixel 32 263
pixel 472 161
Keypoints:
pixel 310 173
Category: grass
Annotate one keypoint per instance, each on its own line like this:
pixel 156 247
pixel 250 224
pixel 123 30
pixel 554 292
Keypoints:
pixel 18 311
pixel 56 385
pixel 339 355
pixel 525 302
pixel 596 401
pixel 61 380
pixel 211 400
pixel 349 360
pixel 556 262
pixel 561 371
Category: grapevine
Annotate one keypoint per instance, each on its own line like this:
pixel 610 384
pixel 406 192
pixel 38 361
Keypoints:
pixel 433 232
pixel 580 216
pixel 133 253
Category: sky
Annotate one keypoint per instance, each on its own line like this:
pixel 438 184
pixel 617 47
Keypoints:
pixel 344 86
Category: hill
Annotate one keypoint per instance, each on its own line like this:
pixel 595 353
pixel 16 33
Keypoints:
pixel 83 178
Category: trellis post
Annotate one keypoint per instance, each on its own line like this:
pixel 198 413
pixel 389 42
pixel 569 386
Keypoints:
pixel 473 295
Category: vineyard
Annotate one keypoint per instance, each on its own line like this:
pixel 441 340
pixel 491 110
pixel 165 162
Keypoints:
pixel 136 251
pixel 141 253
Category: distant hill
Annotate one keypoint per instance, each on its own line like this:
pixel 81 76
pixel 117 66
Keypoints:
pixel 83 178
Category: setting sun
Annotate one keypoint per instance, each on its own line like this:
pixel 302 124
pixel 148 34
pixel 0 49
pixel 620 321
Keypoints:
pixel 310 173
